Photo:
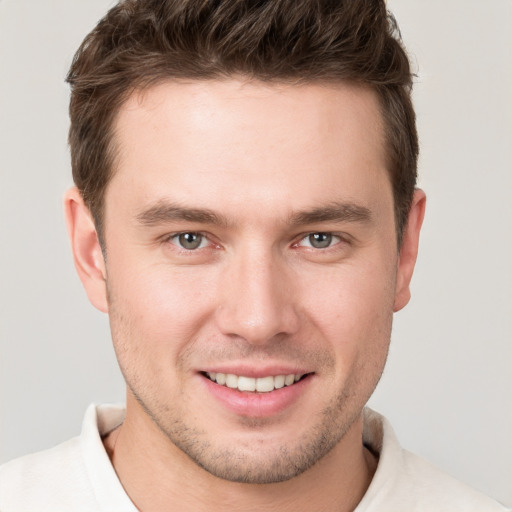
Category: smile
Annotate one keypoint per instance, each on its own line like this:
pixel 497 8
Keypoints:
pixel 259 384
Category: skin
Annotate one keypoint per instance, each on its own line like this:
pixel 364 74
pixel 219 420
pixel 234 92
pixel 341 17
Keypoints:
pixel 255 295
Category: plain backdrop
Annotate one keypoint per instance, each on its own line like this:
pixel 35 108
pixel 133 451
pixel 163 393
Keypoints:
pixel 447 388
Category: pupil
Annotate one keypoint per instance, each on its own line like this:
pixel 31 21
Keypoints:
pixel 190 240
pixel 320 240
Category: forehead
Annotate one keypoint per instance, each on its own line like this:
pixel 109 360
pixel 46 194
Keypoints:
pixel 258 142
pixel 264 108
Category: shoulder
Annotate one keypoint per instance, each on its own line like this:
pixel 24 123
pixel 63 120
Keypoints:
pixel 438 490
pixel 405 482
pixel 76 475
pixel 47 480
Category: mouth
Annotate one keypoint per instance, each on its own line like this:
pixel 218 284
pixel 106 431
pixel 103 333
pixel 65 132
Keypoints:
pixel 255 384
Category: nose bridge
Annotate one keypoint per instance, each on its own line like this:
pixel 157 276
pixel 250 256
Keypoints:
pixel 257 302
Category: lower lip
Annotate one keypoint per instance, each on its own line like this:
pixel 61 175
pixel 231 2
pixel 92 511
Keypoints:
pixel 257 405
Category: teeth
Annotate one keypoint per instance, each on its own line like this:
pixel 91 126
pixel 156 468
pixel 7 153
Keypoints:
pixel 279 381
pixel 231 381
pixel 261 384
pixel 264 384
pixel 289 380
pixel 246 384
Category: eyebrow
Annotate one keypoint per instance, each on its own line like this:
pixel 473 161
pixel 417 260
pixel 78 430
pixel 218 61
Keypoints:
pixel 333 212
pixel 163 212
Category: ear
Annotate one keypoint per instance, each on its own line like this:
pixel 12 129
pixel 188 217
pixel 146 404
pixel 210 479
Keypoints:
pixel 87 254
pixel 409 250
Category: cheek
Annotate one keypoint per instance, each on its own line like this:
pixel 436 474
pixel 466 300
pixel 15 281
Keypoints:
pixel 157 310
pixel 352 308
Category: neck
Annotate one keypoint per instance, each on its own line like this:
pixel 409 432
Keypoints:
pixel 157 476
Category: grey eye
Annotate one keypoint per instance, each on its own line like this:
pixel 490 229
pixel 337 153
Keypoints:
pixel 190 241
pixel 320 240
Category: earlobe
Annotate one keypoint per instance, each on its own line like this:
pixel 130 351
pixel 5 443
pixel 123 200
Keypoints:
pixel 409 250
pixel 87 254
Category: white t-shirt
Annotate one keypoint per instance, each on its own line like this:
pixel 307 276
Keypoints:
pixel 77 476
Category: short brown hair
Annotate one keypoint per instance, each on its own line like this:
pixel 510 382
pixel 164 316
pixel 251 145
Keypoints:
pixel 141 42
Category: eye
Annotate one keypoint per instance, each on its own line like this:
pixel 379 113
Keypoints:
pixel 319 240
pixel 189 241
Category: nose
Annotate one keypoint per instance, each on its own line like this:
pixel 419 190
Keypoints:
pixel 258 302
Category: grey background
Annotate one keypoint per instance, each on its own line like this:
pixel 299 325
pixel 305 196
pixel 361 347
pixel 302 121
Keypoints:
pixel 448 385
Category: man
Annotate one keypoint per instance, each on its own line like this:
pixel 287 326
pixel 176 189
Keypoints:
pixel 246 213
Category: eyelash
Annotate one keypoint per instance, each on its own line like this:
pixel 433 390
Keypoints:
pixel 339 239
pixel 182 249
pixel 335 238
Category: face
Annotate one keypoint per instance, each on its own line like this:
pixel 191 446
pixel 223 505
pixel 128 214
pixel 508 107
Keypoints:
pixel 251 268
